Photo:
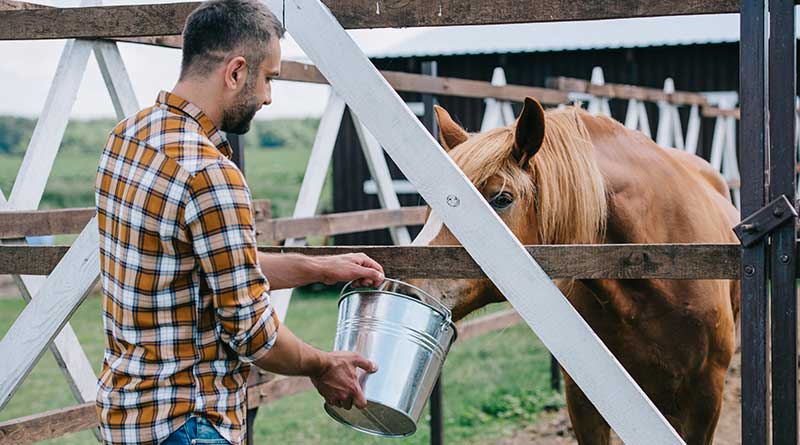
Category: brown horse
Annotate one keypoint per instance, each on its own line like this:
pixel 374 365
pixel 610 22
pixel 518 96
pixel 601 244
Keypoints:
pixel 567 177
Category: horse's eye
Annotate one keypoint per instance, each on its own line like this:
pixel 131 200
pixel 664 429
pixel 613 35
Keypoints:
pixel 501 201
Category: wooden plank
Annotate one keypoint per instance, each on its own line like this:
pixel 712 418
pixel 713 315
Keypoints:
pixel 46 314
pixel 168 19
pixel 379 171
pixel 584 262
pixel 316 172
pixel 19 224
pixel 709 111
pixel 49 424
pixel 340 223
pixel 14 5
pixel 118 83
pixel 622 91
pixel 753 128
pixel 783 284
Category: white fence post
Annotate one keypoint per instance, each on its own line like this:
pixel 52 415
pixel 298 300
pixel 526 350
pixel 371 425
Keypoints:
pixel 497 114
pixel 313 181
pixel 598 105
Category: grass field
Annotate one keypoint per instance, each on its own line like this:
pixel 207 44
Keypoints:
pixel 493 384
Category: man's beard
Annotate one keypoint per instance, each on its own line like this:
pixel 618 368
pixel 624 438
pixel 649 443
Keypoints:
pixel 237 118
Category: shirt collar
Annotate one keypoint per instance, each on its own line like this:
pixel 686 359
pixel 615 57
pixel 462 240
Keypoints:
pixel 183 106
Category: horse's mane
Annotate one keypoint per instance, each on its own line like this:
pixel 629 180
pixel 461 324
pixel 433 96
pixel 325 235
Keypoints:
pixel 566 183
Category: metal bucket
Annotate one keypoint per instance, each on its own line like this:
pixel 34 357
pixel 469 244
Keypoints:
pixel 408 339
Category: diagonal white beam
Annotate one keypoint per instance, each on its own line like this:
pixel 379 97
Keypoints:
pixel 313 181
pixel 469 217
pixel 379 170
pixel 41 152
pixel 40 321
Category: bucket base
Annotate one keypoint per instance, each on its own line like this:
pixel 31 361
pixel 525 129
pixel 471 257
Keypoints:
pixel 376 419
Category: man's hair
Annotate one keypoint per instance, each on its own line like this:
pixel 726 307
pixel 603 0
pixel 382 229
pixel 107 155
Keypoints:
pixel 218 27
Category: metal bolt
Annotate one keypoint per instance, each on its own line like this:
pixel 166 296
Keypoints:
pixel 453 201
pixel 749 270
pixel 750 227
pixel 784 259
pixel 777 212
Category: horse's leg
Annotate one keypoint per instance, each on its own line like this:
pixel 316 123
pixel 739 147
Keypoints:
pixel 704 402
pixel 589 425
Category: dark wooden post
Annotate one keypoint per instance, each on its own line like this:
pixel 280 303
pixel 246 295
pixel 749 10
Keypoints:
pixel 237 144
pixel 753 140
pixel 436 401
pixel 782 90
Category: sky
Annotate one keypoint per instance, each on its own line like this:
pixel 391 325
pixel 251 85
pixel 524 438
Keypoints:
pixel 28 68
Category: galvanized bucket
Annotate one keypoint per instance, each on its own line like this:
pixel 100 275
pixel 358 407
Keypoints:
pixel 408 339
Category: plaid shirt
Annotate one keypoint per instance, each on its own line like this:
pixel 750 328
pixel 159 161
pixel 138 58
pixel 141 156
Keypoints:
pixel 185 303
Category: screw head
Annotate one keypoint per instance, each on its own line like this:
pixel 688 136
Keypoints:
pixel 784 259
pixel 453 201
pixel 749 270
pixel 777 212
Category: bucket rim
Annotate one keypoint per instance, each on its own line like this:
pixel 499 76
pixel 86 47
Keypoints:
pixel 447 317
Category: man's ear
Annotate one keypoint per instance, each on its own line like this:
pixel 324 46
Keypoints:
pixel 236 73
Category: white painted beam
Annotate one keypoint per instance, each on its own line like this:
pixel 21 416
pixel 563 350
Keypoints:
pixel 379 170
pixel 42 319
pixel 116 78
pixel 469 217
pixel 35 169
pixel 313 181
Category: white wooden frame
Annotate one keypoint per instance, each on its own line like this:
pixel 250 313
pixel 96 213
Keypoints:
pixel 669 132
pixel 497 113
pixel 44 319
pixel 468 216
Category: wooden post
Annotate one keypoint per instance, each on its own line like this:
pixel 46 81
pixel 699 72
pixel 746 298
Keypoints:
pixel 781 90
pixel 752 91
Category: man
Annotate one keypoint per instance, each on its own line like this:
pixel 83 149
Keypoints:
pixel 186 309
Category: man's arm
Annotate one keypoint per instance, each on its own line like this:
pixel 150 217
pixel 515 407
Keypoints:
pixel 292 270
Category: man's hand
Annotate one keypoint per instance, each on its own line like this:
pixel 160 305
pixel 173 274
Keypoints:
pixel 351 266
pixel 338 380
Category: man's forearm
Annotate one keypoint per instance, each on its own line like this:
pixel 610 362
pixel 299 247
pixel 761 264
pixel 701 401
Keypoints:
pixel 291 356
pixel 287 270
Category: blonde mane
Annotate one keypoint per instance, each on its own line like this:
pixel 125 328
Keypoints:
pixel 566 184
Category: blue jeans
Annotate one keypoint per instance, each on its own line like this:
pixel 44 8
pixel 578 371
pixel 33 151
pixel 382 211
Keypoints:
pixel 196 430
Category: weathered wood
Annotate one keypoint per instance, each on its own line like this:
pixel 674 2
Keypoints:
pixel 19 224
pixel 168 19
pixel 488 323
pixel 753 135
pixel 14 5
pixel 709 111
pixel 621 91
pixel 49 310
pixel 783 253
pixel 584 262
pixel 48 424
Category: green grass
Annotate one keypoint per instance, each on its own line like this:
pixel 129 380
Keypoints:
pixel 273 173
pixel 493 384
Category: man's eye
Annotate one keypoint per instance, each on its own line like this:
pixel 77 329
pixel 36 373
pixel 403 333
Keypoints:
pixel 501 201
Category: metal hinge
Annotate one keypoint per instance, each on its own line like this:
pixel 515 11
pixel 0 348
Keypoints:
pixel 765 220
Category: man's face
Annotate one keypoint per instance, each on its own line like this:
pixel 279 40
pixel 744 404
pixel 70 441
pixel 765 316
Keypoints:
pixel 257 91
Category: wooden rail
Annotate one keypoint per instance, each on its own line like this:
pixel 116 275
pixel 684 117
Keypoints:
pixel 606 261
pixel 168 19
pixel 622 91
pixel 16 224
pixel 267 388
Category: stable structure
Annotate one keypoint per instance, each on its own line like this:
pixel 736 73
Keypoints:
pixel 491 246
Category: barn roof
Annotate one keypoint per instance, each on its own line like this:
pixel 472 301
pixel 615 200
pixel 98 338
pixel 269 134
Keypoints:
pixel 561 36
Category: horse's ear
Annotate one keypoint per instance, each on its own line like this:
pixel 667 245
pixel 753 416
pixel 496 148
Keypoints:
pixel 529 134
pixel 450 133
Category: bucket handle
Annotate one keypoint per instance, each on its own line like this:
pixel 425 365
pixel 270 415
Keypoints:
pixel 448 314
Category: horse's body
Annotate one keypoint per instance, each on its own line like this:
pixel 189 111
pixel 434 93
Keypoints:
pixel 567 177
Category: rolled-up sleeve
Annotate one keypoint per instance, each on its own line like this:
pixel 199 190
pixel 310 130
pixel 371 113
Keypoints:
pixel 219 219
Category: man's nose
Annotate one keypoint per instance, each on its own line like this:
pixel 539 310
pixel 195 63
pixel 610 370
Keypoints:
pixel 268 99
